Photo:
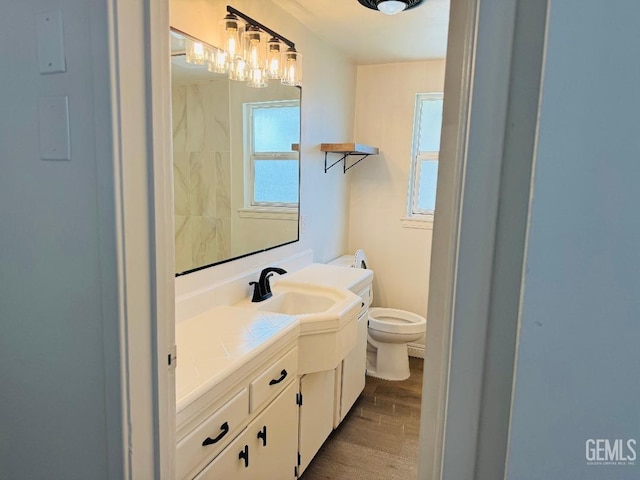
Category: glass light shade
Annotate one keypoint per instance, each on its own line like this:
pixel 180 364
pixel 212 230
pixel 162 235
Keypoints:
pixel 230 28
pixel 274 56
pixel 238 69
pixel 195 52
pixel 257 78
pixel 218 62
pixel 391 7
pixel 254 44
pixel 291 68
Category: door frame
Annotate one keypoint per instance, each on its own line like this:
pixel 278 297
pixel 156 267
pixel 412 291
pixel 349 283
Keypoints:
pixel 488 140
pixel 137 192
pixel 476 88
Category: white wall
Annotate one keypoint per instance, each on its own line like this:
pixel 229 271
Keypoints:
pixel 53 420
pixel 578 359
pixel 327 116
pixel 400 256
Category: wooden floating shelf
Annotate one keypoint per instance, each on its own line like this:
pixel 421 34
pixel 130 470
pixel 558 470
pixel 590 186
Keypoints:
pixel 346 150
pixel 350 148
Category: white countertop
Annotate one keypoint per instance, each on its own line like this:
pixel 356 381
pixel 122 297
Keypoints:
pixel 217 342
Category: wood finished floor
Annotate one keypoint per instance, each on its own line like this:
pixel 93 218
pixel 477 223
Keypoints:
pixel 378 440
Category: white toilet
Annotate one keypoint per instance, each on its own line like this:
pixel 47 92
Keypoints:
pixel 388 333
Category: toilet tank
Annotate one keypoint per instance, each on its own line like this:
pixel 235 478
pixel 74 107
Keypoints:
pixel 343 261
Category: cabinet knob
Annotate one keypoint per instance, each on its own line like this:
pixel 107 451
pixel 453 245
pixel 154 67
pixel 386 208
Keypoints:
pixel 244 455
pixel 210 441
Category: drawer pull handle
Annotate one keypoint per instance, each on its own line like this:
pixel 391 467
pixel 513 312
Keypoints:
pixel 244 455
pixel 263 435
pixel 283 375
pixel 210 441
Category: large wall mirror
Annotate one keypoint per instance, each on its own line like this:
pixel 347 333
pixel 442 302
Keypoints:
pixel 235 163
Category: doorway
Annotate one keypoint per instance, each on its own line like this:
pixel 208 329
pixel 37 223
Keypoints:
pixel 476 87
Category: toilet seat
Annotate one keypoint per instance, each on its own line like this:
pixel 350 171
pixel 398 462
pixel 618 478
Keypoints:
pixel 360 260
pixel 391 320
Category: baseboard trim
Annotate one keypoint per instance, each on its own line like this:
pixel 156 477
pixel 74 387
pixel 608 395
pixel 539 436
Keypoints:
pixel 415 350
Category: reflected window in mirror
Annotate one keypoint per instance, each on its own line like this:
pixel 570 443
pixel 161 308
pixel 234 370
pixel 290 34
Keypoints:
pixel 271 131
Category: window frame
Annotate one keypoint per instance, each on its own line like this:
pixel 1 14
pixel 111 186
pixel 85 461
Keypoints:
pixel 415 213
pixel 251 157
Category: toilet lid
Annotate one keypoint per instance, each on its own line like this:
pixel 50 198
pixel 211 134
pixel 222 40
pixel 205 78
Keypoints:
pixel 360 259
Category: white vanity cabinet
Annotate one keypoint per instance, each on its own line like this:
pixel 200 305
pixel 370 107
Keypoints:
pixel 267 449
pixel 252 435
pixel 350 375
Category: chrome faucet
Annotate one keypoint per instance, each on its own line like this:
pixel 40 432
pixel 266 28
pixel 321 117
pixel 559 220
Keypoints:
pixel 262 289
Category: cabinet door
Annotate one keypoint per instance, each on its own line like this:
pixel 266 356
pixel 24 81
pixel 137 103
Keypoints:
pixel 273 438
pixel 267 449
pixel 354 369
pixel 316 413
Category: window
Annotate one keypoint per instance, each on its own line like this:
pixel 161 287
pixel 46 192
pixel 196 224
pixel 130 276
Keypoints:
pixel 424 162
pixel 271 129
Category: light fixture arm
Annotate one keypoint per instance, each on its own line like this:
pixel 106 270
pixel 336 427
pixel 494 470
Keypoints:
pixel 251 21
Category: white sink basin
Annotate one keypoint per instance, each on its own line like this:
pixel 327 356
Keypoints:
pixel 297 303
pixel 326 316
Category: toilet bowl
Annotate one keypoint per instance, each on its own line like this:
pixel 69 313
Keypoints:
pixel 388 334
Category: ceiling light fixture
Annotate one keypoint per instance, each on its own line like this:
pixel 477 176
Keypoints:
pixel 390 7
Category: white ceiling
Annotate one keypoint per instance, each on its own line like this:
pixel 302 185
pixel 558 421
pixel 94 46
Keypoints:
pixel 371 37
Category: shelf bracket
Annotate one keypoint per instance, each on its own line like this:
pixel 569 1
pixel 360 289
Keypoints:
pixel 343 159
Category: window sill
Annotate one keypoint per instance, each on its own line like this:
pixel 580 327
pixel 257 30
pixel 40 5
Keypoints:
pixel 269 213
pixel 423 223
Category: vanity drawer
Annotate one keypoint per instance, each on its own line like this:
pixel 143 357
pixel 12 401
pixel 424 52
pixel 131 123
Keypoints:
pixel 213 434
pixel 274 379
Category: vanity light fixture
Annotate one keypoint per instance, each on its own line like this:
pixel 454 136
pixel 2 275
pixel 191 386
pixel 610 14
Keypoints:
pixel 291 71
pixel 195 52
pixel 238 69
pixel 274 56
pixel 231 35
pixel 249 56
pixel 390 7
pixel 218 62
pixel 254 47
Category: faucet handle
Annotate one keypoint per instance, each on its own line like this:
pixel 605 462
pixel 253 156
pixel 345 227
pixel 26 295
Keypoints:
pixel 257 294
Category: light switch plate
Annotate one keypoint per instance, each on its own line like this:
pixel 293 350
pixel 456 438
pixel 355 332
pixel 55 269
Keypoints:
pixel 51 57
pixel 53 126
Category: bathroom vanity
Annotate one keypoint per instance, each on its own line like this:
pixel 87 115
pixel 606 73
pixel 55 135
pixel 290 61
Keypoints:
pixel 260 386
